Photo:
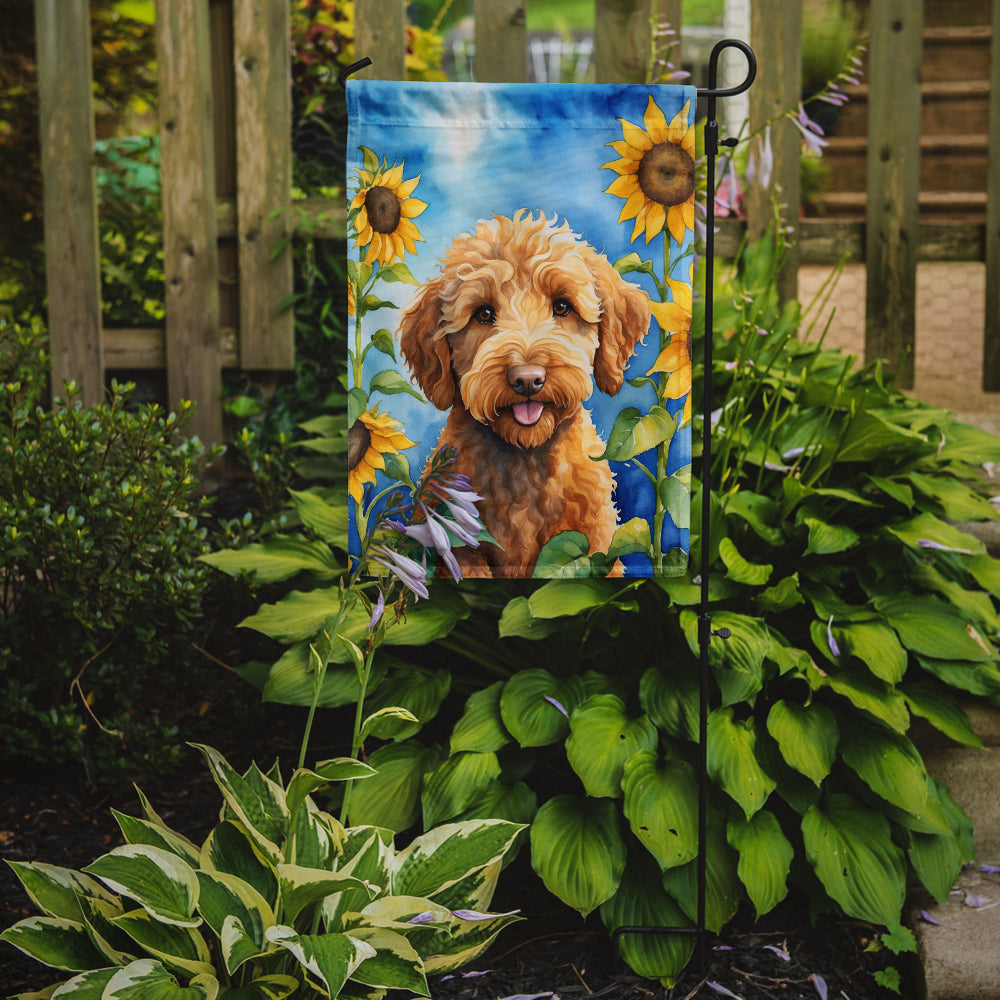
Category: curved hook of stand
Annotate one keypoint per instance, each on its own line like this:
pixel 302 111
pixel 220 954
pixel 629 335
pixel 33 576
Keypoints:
pixel 712 90
pixel 353 68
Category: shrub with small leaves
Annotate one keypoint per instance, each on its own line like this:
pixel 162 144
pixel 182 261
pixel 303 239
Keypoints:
pixel 99 575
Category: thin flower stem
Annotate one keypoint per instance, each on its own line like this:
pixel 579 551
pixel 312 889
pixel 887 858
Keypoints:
pixel 359 717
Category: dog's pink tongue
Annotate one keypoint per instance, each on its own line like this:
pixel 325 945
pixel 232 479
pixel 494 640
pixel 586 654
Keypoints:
pixel 527 412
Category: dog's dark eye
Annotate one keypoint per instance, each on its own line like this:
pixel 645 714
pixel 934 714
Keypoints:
pixel 485 315
pixel 561 307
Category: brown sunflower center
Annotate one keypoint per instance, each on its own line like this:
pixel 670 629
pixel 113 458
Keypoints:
pixel 666 174
pixel 358 440
pixel 383 209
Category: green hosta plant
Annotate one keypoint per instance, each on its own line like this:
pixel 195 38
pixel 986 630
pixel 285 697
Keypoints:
pixel 279 900
pixel 855 605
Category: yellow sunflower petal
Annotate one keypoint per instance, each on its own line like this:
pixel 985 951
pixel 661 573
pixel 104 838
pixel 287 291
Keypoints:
pixel 675 223
pixel 678 383
pixel 393 177
pixel 635 136
pixel 673 357
pixel 654 220
pixel 680 119
pixel 623 149
pixel 671 316
pixel 655 122
pixel 624 186
pixel 622 166
pixel 681 294
pixel 406 188
pixel 412 207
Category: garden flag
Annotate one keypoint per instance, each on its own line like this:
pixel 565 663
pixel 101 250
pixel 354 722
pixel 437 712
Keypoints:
pixel 520 261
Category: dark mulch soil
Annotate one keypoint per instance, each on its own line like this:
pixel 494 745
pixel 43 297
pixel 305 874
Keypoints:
pixel 52 819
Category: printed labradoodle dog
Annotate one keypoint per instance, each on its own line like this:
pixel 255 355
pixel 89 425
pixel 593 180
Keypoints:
pixel 507 339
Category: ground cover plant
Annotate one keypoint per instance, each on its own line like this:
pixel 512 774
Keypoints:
pixel 854 604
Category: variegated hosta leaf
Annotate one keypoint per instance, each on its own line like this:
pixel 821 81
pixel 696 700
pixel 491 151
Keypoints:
pixel 177 947
pixel 158 880
pixel 807 736
pixel 141 831
pixel 661 800
pixel 116 947
pixel 456 784
pixel 467 940
pixel 516 803
pixel 274 987
pixel 301 887
pixel 476 890
pixel 441 857
pixel 481 727
pixel 256 801
pixel 56 891
pixel 328 959
pixel 225 897
pixel 304 782
pixel 642 902
pixel 851 849
pixel 54 941
pixel 230 849
pixel 315 838
pixel 367 853
pixel 602 737
pixel 149 980
pixel 765 858
pixel 395 964
pixel 578 851
pixel 732 760
pixel 86 986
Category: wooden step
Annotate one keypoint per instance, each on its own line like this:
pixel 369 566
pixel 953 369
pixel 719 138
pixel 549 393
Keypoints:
pixel 947 107
pixel 944 12
pixel 958 206
pixel 956 53
pixel 947 162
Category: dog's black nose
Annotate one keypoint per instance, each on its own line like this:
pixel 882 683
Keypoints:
pixel 526 380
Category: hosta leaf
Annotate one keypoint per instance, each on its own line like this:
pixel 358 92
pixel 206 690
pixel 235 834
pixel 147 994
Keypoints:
pixel 54 941
pixel 850 848
pixel 517 620
pixel 230 849
pixel 661 799
pixel 225 897
pixel 147 979
pixel 765 858
pixel 279 558
pixel 986 571
pixel 456 784
pixel 738 569
pixel 956 500
pixel 417 690
pixel 395 964
pixel 159 881
pixel 928 528
pixel 301 887
pixel 274 987
pixel 529 706
pixel 723 889
pixel 180 948
pixel 738 661
pixel 304 782
pixel 864 691
pixel 466 941
pixel 366 856
pixel 888 763
pixel 142 831
pixel 325 519
pixel 438 859
pixel 601 739
pixel 807 736
pixel 760 512
pixel 641 901
pixel 87 986
pixel 976 678
pixel 869 436
pixel 515 803
pixel 783 595
pixel 932 628
pixel 330 959
pixel 578 851
pixel 936 704
pixel 671 700
pixel 937 858
pixel 876 645
pixel 391 798
pixel 828 539
pixel 560 598
pixel 56 891
pixel 633 433
pixel 292 680
pixel 732 760
pixel 481 728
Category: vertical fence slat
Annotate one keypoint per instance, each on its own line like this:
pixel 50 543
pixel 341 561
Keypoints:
pixel 892 214
pixel 190 253
pixel 380 34
pixel 991 332
pixel 776 34
pixel 621 40
pixel 501 41
pixel 72 257
pixel 261 41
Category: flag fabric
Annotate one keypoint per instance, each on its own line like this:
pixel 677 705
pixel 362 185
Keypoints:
pixel 520 260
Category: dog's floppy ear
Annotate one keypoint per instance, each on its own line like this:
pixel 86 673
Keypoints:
pixel 624 322
pixel 428 359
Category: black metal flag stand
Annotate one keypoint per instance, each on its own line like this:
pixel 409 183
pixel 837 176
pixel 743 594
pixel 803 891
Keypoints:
pixel 705 631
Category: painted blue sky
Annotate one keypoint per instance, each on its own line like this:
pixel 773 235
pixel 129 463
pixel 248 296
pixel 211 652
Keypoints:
pixel 485 149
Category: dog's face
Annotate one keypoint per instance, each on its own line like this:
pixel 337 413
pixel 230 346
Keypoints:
pixel 521 317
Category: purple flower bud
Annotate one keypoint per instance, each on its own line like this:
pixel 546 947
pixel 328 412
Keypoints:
pixel 377 612
pixel 834 648
pixel 427 917
pixel 820 983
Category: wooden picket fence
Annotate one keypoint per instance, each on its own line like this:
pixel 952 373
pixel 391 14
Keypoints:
pixel 225 133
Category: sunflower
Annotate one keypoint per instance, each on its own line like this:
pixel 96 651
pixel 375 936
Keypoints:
pixel 384 213
pixel 656 173
pixel 372 435
pixel 675 359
